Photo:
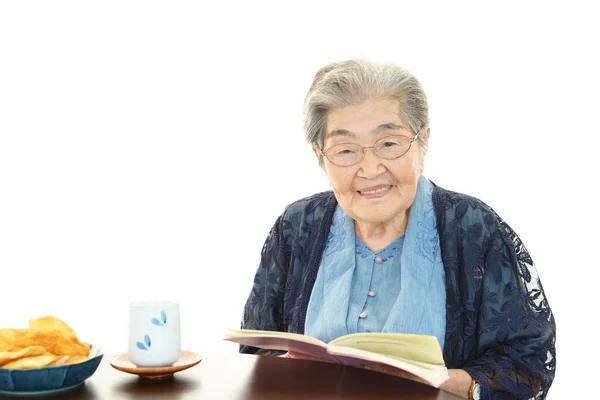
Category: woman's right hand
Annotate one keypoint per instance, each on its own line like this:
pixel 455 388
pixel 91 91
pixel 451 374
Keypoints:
pixel 300 356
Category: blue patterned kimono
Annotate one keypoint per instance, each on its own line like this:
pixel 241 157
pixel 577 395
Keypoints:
pixel 499 326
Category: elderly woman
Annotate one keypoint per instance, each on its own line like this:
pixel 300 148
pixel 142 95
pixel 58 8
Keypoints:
pixel 387 250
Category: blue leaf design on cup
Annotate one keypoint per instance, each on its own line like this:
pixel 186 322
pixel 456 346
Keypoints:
pixel 141 346
pixel 157 322
pixel 147 340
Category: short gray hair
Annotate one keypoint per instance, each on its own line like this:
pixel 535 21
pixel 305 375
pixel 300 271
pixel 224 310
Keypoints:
pixel 352 82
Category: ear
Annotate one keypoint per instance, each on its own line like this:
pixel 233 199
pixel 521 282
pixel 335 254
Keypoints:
pixel 320 157
pixel 317 151
pixel 426 135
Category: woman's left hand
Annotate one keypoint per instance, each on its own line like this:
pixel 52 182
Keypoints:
pixel 458 384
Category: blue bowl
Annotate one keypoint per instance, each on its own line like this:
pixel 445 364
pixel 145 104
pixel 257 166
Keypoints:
pixel 49 379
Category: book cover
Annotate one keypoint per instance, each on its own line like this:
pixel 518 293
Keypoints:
pixel 419 355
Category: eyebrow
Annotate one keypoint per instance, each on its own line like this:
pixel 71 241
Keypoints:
pixel 389 126
pixel 339 132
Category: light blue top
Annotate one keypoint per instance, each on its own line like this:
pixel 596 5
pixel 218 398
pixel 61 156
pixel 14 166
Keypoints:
pixel 375 287
pixel 410 289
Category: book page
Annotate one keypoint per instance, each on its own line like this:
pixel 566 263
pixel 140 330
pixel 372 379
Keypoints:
pixel 281 341
pixel 292 336
pixel 416 348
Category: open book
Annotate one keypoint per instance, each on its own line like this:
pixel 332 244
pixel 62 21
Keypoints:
pixel 417 354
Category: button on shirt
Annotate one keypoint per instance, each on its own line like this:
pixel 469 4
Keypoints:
pixel 375 286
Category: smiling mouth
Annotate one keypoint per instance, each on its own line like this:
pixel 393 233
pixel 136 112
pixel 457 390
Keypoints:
pixel 379 191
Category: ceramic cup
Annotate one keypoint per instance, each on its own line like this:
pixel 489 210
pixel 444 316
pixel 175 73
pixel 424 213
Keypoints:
pixel 154 334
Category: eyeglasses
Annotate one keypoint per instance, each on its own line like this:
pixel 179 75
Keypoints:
pixel 389 148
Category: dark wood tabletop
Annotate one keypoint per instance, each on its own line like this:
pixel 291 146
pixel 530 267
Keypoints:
pixel 242 376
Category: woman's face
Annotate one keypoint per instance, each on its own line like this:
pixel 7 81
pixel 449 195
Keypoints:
pixel 374 190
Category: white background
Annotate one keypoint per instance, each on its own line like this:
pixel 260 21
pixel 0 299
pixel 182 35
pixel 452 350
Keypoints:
pixel 146 147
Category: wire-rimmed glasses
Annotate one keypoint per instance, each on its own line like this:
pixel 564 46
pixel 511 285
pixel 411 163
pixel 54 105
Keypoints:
pixel 389 148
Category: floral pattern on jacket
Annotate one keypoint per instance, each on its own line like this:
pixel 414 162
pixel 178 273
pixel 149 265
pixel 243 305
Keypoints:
pixel 499 326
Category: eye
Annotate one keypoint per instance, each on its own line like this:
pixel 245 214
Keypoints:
pixel 389 144
pixel 345 151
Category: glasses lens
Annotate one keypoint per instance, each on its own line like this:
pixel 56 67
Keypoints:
pixel 392 146
pixel 344 154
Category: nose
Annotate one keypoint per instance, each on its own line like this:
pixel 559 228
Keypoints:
pixel 371 165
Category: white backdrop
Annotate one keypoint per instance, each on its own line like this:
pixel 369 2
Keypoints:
pixel 146 147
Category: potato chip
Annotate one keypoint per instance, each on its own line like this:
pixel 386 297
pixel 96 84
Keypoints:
pixel 75 360
pixel 40 361
pixel 59 361
pixel 53 324
pixel 67 342
pixel 68 347
pixel 8 356
pixel 48 342
pixel 17 339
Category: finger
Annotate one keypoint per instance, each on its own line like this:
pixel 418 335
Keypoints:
pixel 301 356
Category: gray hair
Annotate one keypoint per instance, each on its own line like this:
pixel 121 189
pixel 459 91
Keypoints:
pixel 352 82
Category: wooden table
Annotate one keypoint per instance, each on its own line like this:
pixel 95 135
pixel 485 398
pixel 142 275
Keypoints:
pixel 242 376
